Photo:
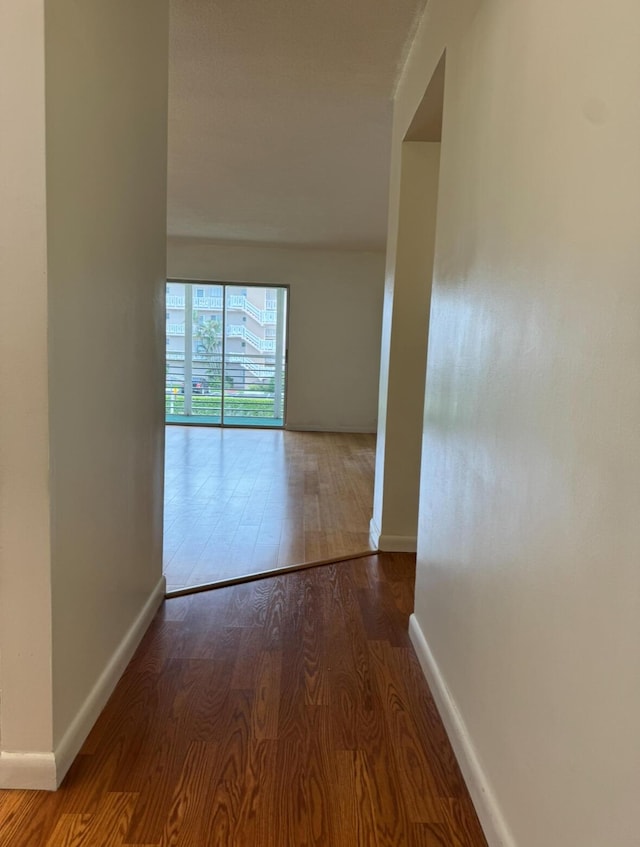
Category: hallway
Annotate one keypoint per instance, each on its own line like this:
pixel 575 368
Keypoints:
pixel 240 501
pixel 285 712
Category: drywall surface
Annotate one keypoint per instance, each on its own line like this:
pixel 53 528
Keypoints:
pixel 106 67
pixel 528 585
pixel 25 615
pixel 404 347
pixel 280 119
pixel 334 322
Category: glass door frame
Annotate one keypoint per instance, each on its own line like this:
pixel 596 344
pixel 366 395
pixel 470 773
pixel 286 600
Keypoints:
pixel 191 420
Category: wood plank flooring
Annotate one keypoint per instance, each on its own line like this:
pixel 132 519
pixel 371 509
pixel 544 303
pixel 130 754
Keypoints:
pixel 286 712
pixel 245 501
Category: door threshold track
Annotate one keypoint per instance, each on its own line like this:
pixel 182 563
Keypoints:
pixel 251 577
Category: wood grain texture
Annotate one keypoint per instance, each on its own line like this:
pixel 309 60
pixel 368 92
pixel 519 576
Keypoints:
pixel 239 502
pixel 286 713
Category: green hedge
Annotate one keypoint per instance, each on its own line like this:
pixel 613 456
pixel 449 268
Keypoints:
pixel 239 407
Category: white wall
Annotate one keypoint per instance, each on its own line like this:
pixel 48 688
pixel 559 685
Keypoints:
pixel 106 66
pixel 83 168
pixel 528 585
pixel 334 322
pixel 405 333
pixel 25 611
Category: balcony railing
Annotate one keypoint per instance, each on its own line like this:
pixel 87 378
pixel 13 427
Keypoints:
pixel 262 345
pixel 207 303
pixel 253 388
pixel 234 302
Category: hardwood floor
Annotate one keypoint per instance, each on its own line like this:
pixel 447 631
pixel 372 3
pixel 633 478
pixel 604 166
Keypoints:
pixel 285 712
pixel 245 501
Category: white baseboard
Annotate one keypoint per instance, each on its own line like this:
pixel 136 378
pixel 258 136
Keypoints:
pixel 45 771
pixel 75 735
pixel 312 428
pixel 391 543
pixel 486 805
pixel 398 543
pixel 35 771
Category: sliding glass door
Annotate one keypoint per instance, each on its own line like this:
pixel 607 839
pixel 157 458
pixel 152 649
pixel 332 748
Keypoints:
pixel 226 354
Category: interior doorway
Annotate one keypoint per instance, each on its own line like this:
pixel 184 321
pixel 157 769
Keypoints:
pixel 226 360
pixel 241 503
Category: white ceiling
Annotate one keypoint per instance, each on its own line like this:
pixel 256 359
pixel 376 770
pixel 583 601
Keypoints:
pixel 280 118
